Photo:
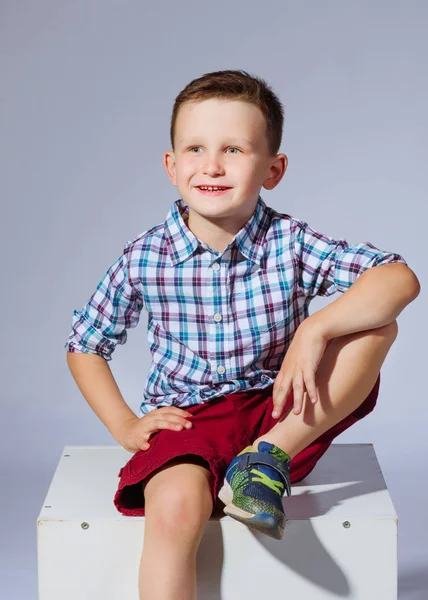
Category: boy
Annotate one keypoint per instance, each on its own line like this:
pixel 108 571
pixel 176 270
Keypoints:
pixel 227 283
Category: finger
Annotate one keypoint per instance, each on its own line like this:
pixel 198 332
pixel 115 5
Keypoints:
pixel 144 444
pixel 298 392
pixel 311 386
pixel 280 394
pixel 175 423
pixel 175 411
pixel 178 421
pixel 155 416
pixel 155 424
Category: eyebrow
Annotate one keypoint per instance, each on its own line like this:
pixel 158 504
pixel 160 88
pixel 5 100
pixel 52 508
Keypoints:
pixel 231 140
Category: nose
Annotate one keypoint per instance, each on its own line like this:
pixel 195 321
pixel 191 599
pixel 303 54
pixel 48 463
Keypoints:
pixel 212 166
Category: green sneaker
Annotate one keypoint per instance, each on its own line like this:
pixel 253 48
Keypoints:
pixel 253 488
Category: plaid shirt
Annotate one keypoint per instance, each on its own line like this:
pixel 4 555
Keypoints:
pixel 218 322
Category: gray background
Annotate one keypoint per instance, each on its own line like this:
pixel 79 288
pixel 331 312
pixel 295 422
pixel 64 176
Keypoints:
pixel 86 97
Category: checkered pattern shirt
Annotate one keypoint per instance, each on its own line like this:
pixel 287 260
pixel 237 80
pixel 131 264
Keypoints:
pixel 218 322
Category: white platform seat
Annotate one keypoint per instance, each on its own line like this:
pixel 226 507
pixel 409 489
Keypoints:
pixel 340 539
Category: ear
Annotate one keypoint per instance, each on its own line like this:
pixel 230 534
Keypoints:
pixel 277 169
pixel 169 164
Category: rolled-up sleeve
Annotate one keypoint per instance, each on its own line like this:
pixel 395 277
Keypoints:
pixel 114 307
pixel 326 266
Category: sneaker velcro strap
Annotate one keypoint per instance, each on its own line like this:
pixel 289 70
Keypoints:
pixel 264 458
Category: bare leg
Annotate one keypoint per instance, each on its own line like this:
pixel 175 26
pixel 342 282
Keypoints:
pixel 178 504
pixel 345 376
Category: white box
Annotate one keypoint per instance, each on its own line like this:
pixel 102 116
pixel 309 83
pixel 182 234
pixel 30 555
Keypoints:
pixel 340 539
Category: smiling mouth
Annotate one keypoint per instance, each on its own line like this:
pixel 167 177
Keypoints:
pixel 212 192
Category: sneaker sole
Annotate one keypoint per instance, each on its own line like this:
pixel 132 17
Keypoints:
pixel 264 522
pixel 226 493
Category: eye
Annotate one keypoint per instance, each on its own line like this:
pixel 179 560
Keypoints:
pixel 195 147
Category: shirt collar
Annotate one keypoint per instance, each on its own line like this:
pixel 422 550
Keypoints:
pixel 182 243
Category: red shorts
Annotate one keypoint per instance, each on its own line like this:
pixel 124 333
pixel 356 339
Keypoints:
pixel 221 429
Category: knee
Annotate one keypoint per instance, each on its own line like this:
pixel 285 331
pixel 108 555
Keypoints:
pixel 179 509
pixel 391 330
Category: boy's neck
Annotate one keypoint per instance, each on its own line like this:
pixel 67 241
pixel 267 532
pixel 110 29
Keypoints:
pixel 215 234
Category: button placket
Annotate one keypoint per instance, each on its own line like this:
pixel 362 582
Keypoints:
pixel 217 317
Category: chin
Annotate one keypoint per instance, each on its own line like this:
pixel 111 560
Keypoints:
pixel 211 211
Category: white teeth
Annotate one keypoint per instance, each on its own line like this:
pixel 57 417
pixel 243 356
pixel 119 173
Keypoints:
pixel 210 189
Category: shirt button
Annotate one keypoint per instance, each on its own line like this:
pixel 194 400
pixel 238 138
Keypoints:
pixel 221 370
pixel 215 267
pixel 217 317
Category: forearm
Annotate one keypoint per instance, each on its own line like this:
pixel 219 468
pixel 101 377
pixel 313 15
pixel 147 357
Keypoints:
pixel 98 386
pixel 374 300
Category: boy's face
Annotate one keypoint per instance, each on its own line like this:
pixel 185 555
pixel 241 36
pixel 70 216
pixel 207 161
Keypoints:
pixel 221 142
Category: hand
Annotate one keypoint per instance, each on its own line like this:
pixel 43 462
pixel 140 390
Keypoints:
pixel 135 433
pixel 298 369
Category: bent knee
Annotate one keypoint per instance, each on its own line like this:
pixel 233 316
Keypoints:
pixel 391 330
pixel 181 499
